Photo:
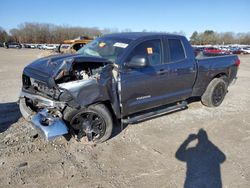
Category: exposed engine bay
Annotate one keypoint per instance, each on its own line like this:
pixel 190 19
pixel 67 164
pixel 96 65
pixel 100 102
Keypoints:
pixel 80 71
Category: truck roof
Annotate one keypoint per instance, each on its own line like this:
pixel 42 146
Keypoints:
pixel 137 35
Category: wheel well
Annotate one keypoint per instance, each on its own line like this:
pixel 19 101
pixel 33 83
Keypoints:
pixel 220 75
pixel 109 106
pixel 67 111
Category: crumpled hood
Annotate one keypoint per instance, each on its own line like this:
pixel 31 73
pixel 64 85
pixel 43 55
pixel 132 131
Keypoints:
pixel 48 65
pixel 45 69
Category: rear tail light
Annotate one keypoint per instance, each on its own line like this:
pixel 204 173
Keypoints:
pixel 237 62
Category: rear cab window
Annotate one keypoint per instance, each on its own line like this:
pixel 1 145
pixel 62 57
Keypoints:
pixel 176 50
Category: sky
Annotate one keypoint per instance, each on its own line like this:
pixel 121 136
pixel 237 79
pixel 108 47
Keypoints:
pixel 155 15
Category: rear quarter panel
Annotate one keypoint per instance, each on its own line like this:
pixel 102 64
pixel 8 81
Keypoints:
pixel 211 67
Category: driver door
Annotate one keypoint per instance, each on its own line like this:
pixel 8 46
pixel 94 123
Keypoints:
pixel 141 86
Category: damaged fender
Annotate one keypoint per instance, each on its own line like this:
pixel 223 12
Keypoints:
pixel 89 91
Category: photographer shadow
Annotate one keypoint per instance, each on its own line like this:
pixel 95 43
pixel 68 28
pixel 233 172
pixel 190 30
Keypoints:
pixel 203 161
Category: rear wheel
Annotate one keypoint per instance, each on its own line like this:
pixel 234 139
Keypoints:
pixel 215 93
pixel 94 122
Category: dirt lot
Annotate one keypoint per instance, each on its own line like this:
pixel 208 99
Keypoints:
pixel 147 154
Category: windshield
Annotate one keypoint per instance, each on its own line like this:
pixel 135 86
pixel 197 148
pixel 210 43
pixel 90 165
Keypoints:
pixel 108 48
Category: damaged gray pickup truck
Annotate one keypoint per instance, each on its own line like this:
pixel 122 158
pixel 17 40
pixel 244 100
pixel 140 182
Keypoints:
pixel 126 77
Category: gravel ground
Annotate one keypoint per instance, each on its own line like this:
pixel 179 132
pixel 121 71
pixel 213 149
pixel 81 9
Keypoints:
pixel 161 152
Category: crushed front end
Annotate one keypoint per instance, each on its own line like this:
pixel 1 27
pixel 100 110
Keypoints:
pixel 53 85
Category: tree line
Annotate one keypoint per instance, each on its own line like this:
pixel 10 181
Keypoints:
pixel 212 37
pixel 50 33
pixel 44 33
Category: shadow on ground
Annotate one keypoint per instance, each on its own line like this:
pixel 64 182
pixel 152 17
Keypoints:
pixel 118 128
pixel 9 114
pixel 203 161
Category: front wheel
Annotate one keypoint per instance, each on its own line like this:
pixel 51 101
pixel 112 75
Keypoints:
pixel 215 93
pixel 94 122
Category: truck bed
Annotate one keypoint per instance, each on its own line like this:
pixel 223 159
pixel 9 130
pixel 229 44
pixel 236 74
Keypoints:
pixel 210 67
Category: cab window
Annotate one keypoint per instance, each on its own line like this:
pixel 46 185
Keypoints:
pixel 176 50
pixel 150 49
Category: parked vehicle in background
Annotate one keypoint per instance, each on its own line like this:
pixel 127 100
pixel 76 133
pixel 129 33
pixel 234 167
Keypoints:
pixel 72 46
pixel 198 50
pixel 12 45
pixel 127 77
pixel 49 47
pixel 63 47
pixel 246 50
pixel 33 46
pixel 227 50
pixel 210 51
pixel 236 50
pixel 84 39
pixel 39 46
pixel 43 47
pixel 26 46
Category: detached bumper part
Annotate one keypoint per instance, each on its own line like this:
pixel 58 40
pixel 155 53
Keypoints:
pixel 50 127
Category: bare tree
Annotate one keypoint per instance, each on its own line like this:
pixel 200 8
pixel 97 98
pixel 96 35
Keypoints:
pixel 50 33
pixel 212 37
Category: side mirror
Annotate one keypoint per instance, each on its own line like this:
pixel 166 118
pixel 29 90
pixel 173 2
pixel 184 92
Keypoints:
pixel 137 61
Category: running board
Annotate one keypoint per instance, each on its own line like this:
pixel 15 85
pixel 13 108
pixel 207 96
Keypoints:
pixel 148 115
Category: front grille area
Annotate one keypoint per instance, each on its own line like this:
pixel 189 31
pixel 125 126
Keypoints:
pixel 39 87
pixel 42 87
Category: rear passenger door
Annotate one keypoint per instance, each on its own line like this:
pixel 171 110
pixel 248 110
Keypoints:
pixel 181 69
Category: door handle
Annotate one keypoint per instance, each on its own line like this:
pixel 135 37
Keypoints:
pixel 162 71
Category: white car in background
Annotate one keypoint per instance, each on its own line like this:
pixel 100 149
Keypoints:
pixel 246 50
pixel 49 47
pixel 33 46
pixel 225 49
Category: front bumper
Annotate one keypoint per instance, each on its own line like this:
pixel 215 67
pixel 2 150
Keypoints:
pixel 47 124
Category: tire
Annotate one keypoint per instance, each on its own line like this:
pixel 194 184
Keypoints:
pixel 100 111
pixel 215 92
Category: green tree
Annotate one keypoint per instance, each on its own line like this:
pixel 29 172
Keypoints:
pixel 194 39
pixel 3 35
